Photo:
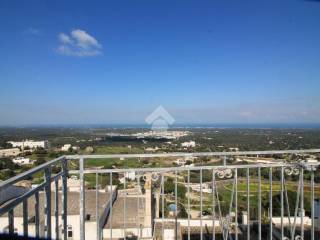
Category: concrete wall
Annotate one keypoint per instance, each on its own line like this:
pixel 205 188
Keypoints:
pixel 119 232
pixel 73 220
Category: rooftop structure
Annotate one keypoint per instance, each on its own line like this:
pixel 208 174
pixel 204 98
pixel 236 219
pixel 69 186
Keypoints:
pixel 22 160
pixel 189 144
pixel 30 144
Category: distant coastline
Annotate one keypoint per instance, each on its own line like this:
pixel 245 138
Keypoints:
pixel 179 125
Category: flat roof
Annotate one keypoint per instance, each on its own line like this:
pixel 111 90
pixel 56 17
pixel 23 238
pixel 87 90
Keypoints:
pixel 73 204
pixel 134 214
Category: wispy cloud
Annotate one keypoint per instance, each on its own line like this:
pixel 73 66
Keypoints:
pixel 32 31
pixel 78 43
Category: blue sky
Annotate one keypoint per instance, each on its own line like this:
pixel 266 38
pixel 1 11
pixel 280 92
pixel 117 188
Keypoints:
pixel 73 62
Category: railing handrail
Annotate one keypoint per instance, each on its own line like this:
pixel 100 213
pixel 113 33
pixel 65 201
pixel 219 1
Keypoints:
pixel 192 154
pixel 29 172
pixel 195 168
pixel 43 166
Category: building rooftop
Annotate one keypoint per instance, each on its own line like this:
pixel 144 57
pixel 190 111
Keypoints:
pixel 134 217
pixel 73 204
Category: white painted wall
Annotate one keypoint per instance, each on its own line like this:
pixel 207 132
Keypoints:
pixel 119 232
pixel 73 220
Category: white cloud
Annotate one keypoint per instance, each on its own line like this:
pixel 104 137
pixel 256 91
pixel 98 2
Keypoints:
pixel 64 38
pixel 32 31
pixel 78 43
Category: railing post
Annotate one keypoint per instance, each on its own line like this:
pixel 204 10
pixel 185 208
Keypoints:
pixel 201 207
pixel 176 205
pixel 37 215
pixel 65 198
pixel 97 207
pixel 188 204
pixel 248 204
pixel 11 221
pixel 281 203
pixel 302 205
pixel 82 200
pixel 162 204
pixel 124 208
pixel 259 203
pixel 111 202
pixel 312 203
pixel 270 202
pixel 56 208
pixel 25 218
pixel 213 205
pixel 236 202
pixel 47 176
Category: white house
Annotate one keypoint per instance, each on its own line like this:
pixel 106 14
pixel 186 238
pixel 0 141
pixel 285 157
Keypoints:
pixel 206 188
pixel 188 144
pixel 127 175
pixel 75 148
pixel 66 147
pixel 310 161
pixel 73 215
pixel 181 161
pixel 235 149
pixel 30 143
pixel 22 161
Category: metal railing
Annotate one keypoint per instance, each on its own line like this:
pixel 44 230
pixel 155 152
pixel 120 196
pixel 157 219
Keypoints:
pixel 275 200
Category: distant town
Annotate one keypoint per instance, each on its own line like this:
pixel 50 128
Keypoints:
pixel 187 193
pixel 36 146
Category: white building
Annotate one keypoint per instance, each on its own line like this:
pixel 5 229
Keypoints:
pixel 181 161
pixel 66 147
pixel 206 188
pixel 128 175
pixel 22 161
pixel 139 215
pixel 73 184
pixel 310 161
pixel 184 161
pixel 9 152
pixel 30 144
pixel 188 144
pixel 235 149
pixel 73 215
pixel 75 148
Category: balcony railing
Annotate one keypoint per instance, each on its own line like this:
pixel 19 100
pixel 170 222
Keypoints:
pixel 240 198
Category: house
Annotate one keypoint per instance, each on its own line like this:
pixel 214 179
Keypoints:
pixel 206 188
pixel 189 144
pixel 75 148
pixel 22 161
pixel 30 144
pixel 131 176
pixel 66 147
pixel 310 161
pixel 73 206
pixel 185 161
pixel 89 149
pixel 233 149
pixel 181 161
pixel 73 184
pixel 150 149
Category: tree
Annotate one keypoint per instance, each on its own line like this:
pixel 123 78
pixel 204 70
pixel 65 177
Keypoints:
pixel 40 161
pixel 169 188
